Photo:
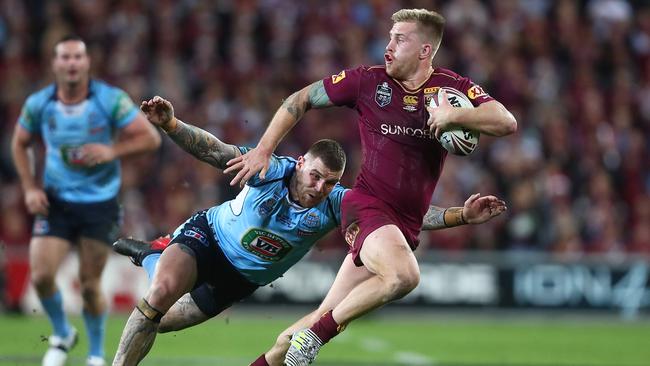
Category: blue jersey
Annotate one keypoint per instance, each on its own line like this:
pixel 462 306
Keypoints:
pixel 65 128
pixel 262 232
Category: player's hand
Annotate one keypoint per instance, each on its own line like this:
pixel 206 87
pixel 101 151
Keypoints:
pixel 478 210
pixel 440 117
pixel 247 165
pixel 95 154
pixel 36 201
pixel 159 112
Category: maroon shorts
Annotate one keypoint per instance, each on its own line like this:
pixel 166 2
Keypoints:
pixel 361 214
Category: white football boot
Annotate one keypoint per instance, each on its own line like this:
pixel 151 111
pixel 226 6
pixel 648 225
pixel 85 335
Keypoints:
pixel 57 354
pixel 304 347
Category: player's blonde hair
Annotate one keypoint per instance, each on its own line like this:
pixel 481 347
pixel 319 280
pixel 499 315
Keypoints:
pixel 430 24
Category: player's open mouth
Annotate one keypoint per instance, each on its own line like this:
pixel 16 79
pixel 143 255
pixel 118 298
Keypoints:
pixel 388 58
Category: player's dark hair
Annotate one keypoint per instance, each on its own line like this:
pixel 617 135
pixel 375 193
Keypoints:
pixel 430 24
pixel 68 38
pixel 330 152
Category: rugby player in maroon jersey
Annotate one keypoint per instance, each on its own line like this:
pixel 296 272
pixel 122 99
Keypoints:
pixel 402 161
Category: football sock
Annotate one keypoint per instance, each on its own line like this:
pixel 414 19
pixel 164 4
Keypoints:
pixel 149 264
pixel 95 326
pixel 326 327
pixel 54 309
pixel 261 361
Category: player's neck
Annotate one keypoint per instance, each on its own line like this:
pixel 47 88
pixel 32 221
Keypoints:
pixel 293 190
pixel 418 78
pixel 75 93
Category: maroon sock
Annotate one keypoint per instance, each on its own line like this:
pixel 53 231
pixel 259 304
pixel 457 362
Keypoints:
pixel 326 327
pixel 261 361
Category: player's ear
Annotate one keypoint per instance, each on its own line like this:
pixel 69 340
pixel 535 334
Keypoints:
pixel 425 51
pixel 301 162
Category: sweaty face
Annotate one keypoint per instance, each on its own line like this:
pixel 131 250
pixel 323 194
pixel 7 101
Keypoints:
pixel 313 181
pixel 402 50
pixel 71 62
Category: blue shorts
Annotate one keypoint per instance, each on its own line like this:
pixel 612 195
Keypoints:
pixel 219 284
pixel 71 221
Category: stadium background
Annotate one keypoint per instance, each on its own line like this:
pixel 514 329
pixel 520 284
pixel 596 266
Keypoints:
pixel 576 175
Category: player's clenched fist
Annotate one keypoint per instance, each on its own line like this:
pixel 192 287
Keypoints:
pixel 159 112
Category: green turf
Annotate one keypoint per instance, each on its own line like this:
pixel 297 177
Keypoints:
pixel 425 340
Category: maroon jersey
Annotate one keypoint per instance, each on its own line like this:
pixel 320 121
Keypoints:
pixel 402 160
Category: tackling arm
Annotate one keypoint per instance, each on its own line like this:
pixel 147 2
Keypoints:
pixel 476 210
pixel 202 144
pixel 292 109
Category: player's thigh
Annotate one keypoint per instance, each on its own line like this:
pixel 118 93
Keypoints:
pixel 183 314
pixel 175 275
pixel 347 278
pixel 46 253
pixel 386 252
pixel 92 258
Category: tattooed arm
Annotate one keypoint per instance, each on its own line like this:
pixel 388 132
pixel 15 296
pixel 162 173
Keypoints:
pixel 476 210
pixel 292 109
pixel 200 143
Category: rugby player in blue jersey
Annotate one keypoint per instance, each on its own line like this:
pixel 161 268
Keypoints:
pixel 86 126
pixel 223 254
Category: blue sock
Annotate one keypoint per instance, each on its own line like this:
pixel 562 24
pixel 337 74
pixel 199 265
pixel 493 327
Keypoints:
pixel 54 309
pixel 95 325
pixel 149 264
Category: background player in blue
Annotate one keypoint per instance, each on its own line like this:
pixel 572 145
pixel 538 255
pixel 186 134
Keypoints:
pixel 78 120
pixel 226 252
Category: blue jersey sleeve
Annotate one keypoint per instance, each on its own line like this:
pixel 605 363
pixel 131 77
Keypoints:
pixel 30 115
pixel 335 198
pixel 279 167
pixel 116 103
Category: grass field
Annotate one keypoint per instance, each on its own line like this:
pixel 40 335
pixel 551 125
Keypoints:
pixel 424 339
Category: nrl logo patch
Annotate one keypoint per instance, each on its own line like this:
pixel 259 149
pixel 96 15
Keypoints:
pixel 475 92
pixel 338 77
pixel 383 95
pixel 429 93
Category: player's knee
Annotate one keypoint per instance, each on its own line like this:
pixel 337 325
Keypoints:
pixel 42 281
pixel 401 283
pixel 90 291
pixel 161 293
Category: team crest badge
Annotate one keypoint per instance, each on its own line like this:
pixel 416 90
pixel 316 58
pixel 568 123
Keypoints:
pixel 383 95
pixel 311 220
pixel 267 206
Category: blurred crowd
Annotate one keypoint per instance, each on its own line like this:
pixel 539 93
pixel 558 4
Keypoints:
pixel 576 74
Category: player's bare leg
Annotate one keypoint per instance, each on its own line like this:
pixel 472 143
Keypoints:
pixel 92 260
pixel 183 314
pixel 46 253
pixel 347 277
pixel 385 253
pixel 177 277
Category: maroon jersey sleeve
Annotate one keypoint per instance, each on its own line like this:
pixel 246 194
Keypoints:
pixel 343 88
pixel 474 92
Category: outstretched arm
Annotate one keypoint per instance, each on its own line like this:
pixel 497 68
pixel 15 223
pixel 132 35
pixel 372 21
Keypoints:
pixel 476 210
pixel 200 143
pixel 292 109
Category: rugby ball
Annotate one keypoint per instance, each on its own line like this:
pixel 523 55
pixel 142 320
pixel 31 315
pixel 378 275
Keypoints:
pixel 458 141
